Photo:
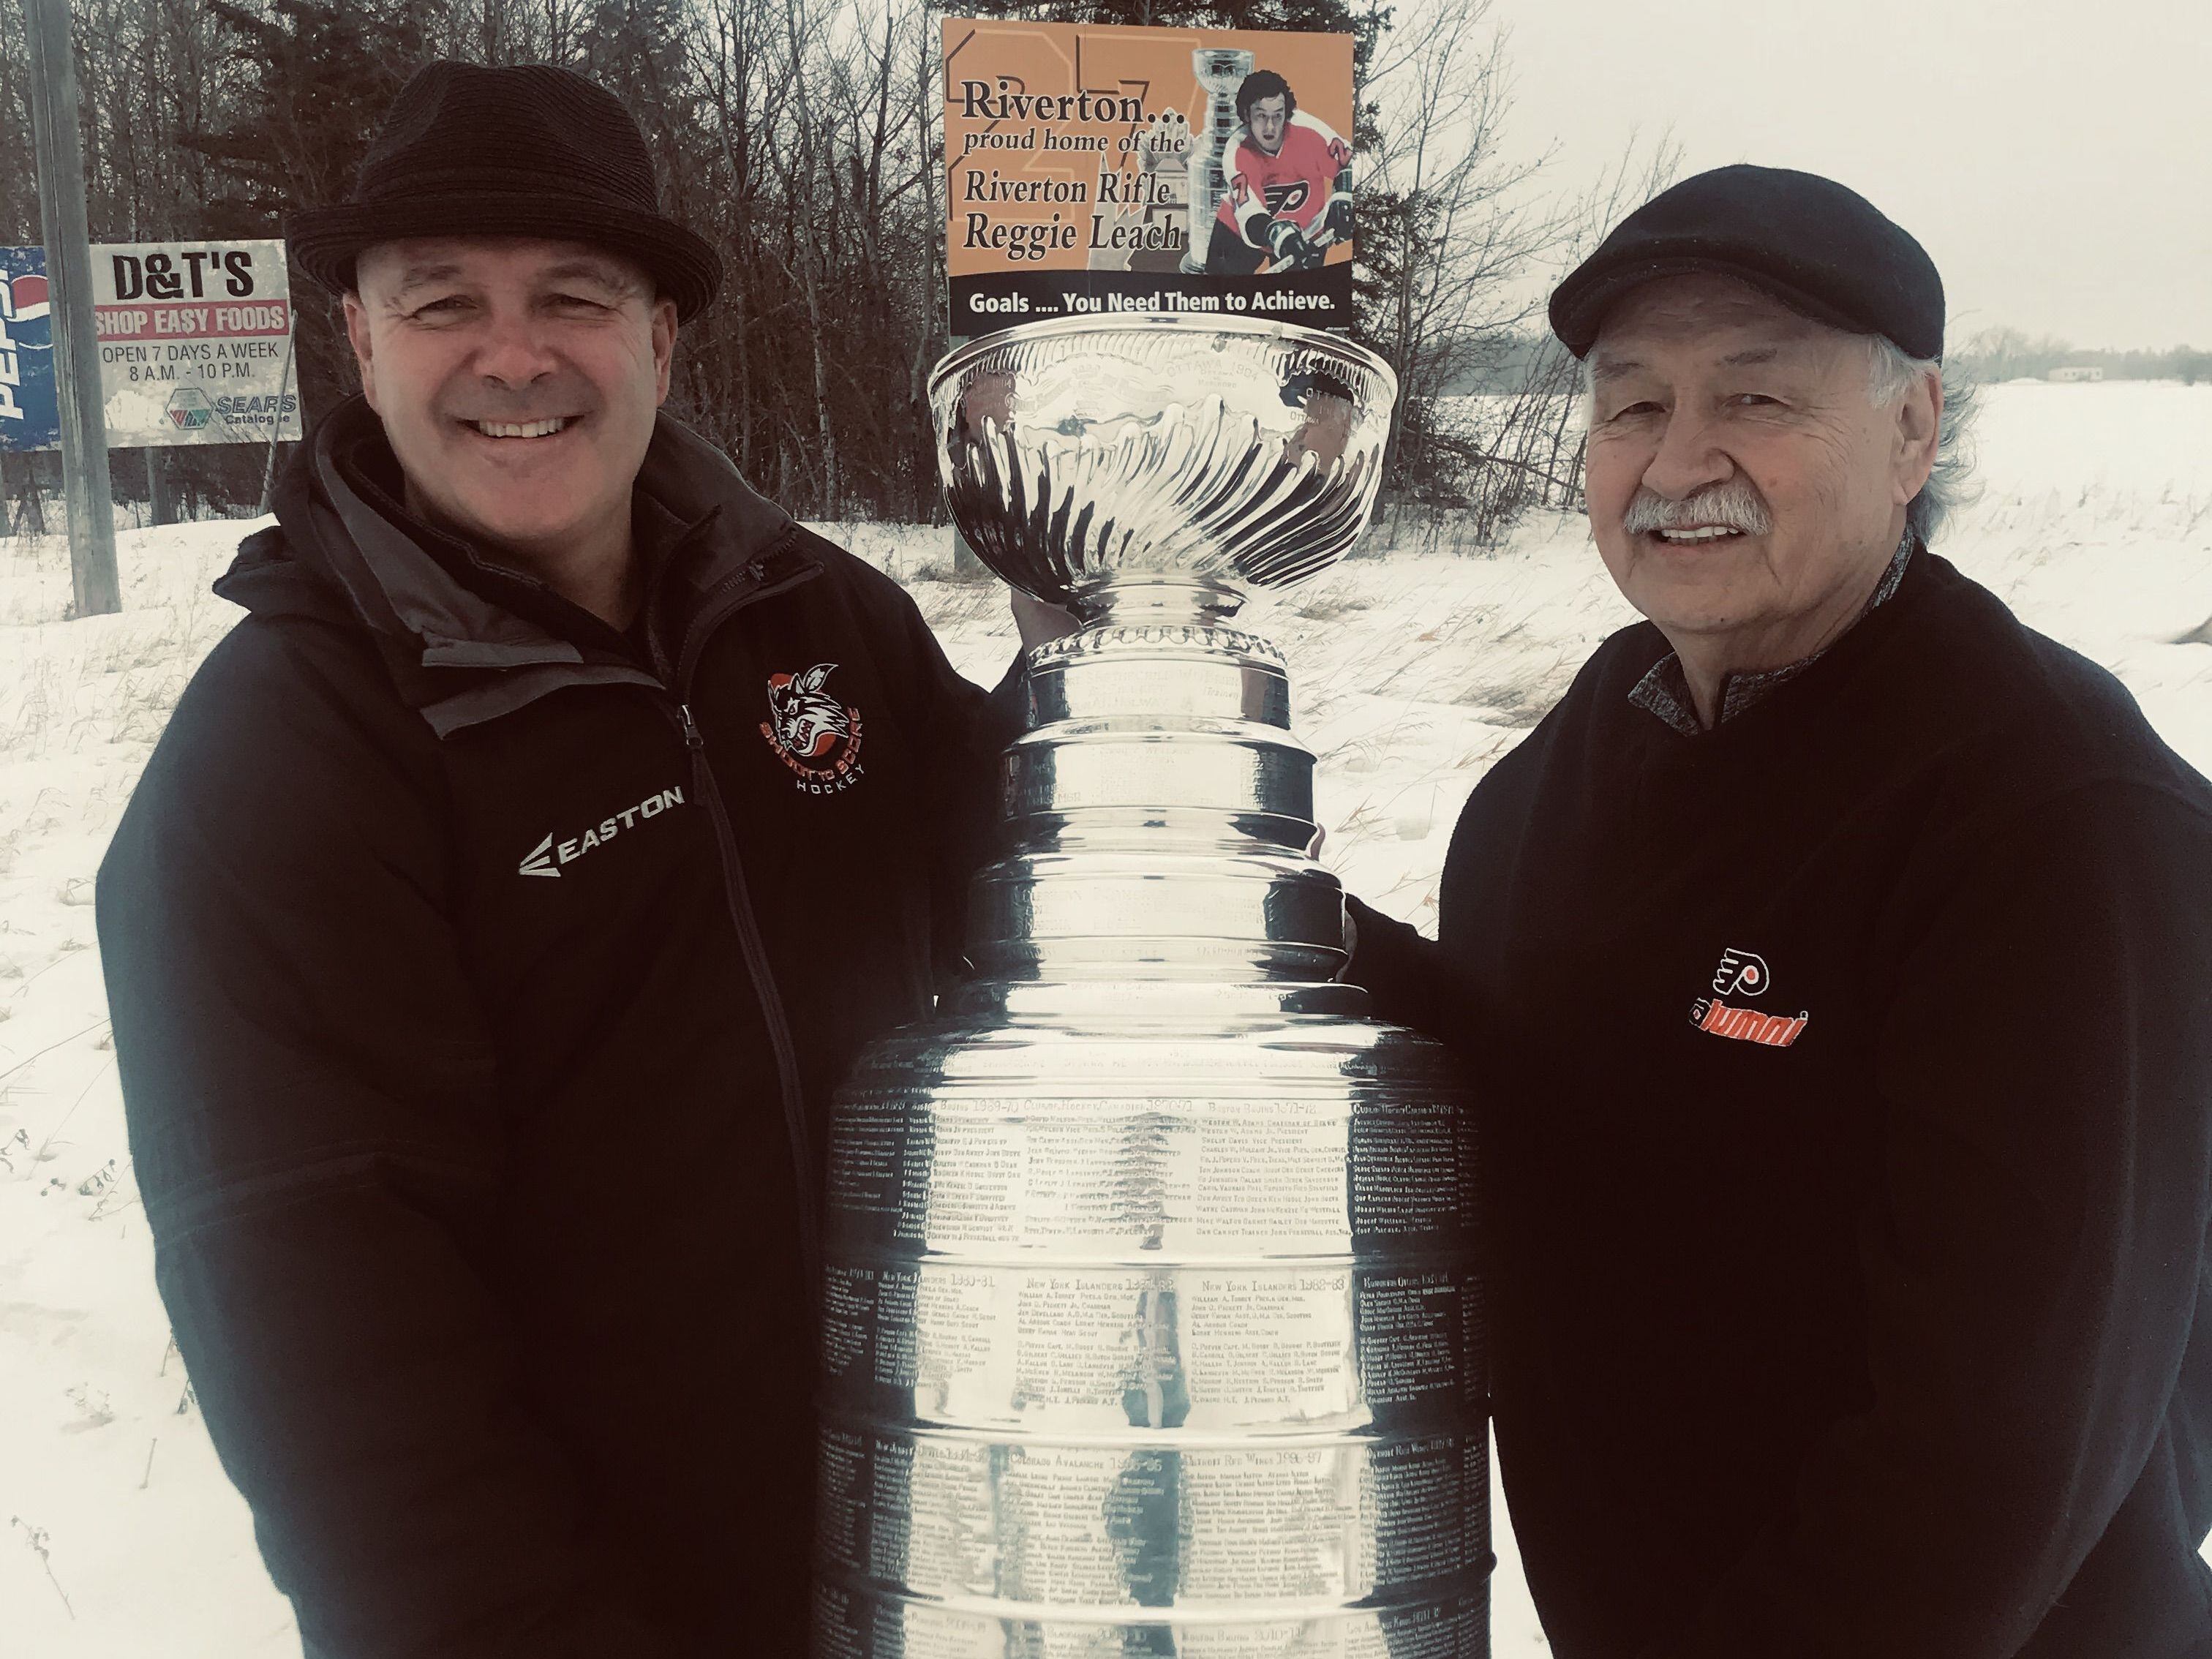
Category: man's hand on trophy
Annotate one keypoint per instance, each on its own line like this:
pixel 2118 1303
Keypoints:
pixel 1351 925
pixel 1040 621
pixel 1287 244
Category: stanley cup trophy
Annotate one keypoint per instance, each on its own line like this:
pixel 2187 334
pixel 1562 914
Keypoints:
pixel 1149 1325
pixel 1220 70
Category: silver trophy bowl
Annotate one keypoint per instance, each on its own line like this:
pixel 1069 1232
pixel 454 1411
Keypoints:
pixel 1219 451
pixel 1149 1323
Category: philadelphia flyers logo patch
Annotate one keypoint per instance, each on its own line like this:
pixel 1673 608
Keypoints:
pixel 1744 973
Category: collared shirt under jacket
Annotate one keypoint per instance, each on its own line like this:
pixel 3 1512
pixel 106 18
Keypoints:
pixel 479 978
pixel 1845 1082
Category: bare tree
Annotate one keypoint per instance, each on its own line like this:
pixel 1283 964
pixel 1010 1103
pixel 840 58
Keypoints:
pixel 1446 224
pixel 803 138
pixel 2004 353
pixel 1547 454
pixel 1455 228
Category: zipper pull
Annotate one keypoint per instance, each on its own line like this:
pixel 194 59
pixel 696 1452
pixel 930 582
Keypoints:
pixel 692 740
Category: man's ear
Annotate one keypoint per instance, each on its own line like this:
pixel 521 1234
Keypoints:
pixel 1919 424
pixel 356 321
pixel 663 344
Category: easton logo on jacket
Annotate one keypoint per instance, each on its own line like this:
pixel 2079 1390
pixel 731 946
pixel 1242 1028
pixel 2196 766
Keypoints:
pixel 545 859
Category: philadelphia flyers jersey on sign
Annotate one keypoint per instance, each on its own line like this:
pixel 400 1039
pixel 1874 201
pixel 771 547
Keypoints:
pixel 1295 183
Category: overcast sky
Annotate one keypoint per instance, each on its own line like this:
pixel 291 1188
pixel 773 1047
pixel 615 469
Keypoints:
pixel 2053 156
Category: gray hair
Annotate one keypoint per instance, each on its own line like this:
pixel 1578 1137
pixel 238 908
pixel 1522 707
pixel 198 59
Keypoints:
pixel 1890 372
pixel 1890 375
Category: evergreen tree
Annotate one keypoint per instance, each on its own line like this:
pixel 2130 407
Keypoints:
pixel 318 76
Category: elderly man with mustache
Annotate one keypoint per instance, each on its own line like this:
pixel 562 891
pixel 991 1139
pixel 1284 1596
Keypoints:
pixel 1835 961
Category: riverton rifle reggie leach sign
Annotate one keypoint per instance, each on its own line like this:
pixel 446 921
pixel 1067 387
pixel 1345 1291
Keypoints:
pixel 1108 169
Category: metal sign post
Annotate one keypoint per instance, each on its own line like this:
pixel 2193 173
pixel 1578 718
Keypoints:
pixel 69 274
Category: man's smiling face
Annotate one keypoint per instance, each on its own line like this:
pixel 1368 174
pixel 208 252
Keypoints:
pixel 1745 491
pixel 517 381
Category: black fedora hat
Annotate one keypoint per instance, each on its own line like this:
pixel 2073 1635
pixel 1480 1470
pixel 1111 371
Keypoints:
pixel 528 151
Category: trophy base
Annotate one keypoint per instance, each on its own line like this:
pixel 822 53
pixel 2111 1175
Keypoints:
pixel 1150 1325
pixel 860 1624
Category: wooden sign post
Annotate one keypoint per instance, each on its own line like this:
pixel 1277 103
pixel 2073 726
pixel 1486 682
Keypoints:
pixel 69 274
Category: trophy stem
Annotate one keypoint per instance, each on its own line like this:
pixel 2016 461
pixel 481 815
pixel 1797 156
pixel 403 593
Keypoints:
pixel 1194 601
pixel 1157 811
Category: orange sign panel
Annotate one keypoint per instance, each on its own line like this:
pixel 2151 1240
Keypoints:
pixel 1109 168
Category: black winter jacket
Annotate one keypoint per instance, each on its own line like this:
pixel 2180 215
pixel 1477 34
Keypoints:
pixel 478 980
pixel 1848 1152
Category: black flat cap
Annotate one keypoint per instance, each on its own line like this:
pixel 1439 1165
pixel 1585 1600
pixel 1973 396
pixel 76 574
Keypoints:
pixel 1822 250
pixel 530 150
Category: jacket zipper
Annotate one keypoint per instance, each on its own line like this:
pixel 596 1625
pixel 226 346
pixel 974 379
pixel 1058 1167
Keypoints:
pixel 719 605
pixel 771 1000
pixel 731 597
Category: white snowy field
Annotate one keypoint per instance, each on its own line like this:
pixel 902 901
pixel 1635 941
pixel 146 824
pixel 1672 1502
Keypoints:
pixel 1412 676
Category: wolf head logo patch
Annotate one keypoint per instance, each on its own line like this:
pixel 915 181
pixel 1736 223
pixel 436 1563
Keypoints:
pixel 808 721
pixel 814 733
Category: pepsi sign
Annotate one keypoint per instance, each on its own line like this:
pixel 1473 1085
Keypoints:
pixel 30 416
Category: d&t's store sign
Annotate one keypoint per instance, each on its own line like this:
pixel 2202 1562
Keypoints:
pixel 194 344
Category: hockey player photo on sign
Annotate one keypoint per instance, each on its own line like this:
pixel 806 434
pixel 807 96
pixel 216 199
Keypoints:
pixel 1288 178
pixel 1095 169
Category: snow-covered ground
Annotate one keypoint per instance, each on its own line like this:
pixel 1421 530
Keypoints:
pixel 1412 676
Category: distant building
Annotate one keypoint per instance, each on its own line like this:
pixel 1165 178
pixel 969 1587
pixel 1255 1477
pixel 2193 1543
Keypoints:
pixel 2072 374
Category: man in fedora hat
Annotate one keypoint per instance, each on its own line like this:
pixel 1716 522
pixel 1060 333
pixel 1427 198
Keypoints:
pixel 1836 959
pixel 490 924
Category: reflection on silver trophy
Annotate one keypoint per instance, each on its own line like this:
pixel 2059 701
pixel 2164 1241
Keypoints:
pixel 1220 70
pixel 1148 1326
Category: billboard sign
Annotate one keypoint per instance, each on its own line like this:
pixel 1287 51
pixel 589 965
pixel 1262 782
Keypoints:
pixel 195 342
pixel 1107 169
pixel 195 345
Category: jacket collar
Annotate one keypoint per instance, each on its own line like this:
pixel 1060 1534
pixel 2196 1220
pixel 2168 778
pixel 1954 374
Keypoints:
pixel 1665 690
pixel 466 639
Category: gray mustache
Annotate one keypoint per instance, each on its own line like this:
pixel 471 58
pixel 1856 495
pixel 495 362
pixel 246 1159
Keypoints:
pixel 1734 504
